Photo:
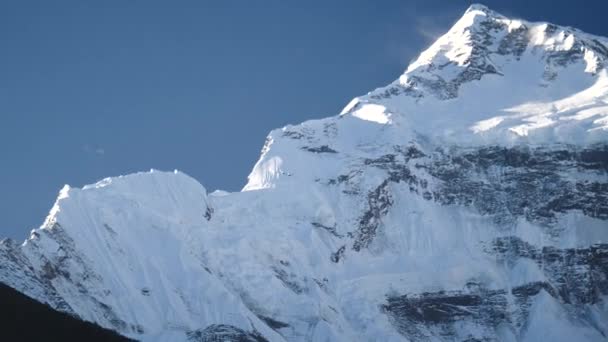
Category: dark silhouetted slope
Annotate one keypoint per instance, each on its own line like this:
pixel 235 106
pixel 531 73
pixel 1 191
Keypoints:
pixel 24 319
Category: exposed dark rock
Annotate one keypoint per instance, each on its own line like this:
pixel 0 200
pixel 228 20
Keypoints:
pixel 576 275
pixel 435 314
pixel 341 179
pixel 109 229
pixel 337 255
pixel 379 200
pixel 293 135
pixel 409 89
pixel 410 152
pixel 509 183
pixel 322 284
pixel 442 307
pixel 289 279
pixel 208 213
pixel 332 230
pixel 57 266
pixel 21 274
pixel 421 316
pixel 515 42
pixel 320 149
pixel 504 183
pixel 224 333
pixel 273 323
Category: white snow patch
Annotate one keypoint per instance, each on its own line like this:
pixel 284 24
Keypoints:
pixel 373 113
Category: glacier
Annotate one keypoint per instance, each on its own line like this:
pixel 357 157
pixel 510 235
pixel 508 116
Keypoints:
pixel 465 201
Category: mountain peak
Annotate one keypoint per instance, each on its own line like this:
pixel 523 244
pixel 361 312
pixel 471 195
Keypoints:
pixel 483 41
pixel 480 17
pixel 465 201
pixel 469 40
pixel 509 79
pixel 477 7
pixel 483 9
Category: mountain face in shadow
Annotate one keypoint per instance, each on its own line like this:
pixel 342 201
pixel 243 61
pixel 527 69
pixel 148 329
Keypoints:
pixel 24 319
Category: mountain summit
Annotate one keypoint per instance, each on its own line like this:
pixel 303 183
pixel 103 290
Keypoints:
pixel 491 79
pixel 466 201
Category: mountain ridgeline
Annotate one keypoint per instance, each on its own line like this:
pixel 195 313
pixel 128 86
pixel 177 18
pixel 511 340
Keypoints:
pixel 465 201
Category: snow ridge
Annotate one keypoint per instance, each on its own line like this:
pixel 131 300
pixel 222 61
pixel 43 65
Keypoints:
pixel 467 200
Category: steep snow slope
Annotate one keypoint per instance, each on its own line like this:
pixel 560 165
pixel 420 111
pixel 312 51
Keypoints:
pixel 468 200
pixel 124 253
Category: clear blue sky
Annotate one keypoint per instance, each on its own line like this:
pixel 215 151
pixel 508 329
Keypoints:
pixel 90 89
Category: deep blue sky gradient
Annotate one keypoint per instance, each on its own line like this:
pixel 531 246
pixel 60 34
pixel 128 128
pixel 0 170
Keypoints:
pixel 90 89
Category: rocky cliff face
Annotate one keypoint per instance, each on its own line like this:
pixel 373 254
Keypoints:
pixel 468 200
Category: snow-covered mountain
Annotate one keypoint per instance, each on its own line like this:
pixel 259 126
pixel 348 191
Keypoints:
pixel 467 200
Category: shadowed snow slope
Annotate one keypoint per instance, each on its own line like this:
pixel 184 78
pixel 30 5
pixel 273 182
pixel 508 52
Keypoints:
pixel 468 200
